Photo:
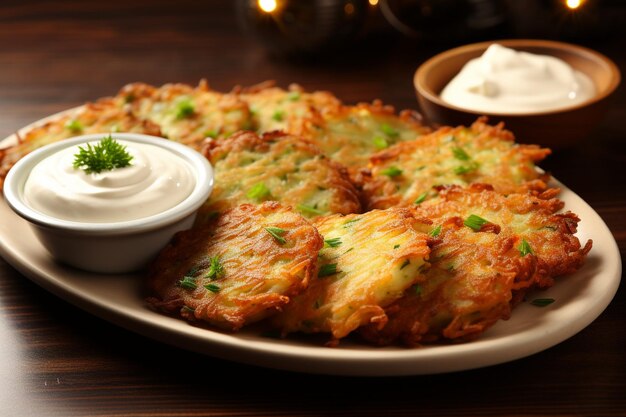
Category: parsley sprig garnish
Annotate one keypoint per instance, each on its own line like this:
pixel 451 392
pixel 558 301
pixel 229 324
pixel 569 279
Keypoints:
pixel 105 155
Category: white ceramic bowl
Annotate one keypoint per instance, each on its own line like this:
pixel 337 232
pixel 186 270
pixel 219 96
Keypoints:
pixel 117 247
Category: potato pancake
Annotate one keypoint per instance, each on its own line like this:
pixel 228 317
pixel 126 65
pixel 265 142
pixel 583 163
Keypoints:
pixel 293 110
pixel 367 263
pixel 490 250
pixel 238 269
pixel 348 134
pixel 277 166
pixel 351 134
pixel 405 174
pixel 186 114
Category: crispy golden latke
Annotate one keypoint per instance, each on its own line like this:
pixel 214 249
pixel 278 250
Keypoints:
pixel 490 250
pixel 103 116
pixel 407 172
pixel 293 110
pixel 351 134
pixel 367 263
pixel 277 166
pixel 187 114
pixel 238 269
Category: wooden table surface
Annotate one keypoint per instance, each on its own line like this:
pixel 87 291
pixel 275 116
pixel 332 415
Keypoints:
pixel 56 360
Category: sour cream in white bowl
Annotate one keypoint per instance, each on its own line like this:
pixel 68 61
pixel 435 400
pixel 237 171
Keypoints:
pixel 115 220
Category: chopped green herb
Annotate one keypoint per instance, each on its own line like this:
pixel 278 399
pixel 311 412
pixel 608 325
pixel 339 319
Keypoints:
pixel 465 169
pixel 396 246
pixel 391 171
pixel 389 131
pixel 278 115
pixel 309 210
pixel 276 233
pixel 421 198
pixel 129 98
pixel 327 270
pixel 475 222
pixel 74 125
pixel 188 283
pixel 524 248
pixel 211 134
pixel 348 223
pixel 184 108
pixel 105 155
pixel 258 192
pixel 542 302
pixel 212 287
pixel 332 243
pixel 380 142
pixel 349 250
pixel 293 96
pixel 417 289
pixel 460 154
pixel 186 309
pixel 405 264
pixel 216 269
pixel 435 232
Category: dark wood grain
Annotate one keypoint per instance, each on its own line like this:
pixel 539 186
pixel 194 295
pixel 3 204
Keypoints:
pixel 58 360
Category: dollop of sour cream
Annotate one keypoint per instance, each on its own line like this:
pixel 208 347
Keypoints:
pixel 155 181
pixel 503 80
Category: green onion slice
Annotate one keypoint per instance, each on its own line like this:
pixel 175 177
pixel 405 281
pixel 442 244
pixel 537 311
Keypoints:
pixel 276 233
pixel 475 222
pixel 327 270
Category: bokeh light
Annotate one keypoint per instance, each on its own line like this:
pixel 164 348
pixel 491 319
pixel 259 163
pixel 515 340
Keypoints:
pixel 267 6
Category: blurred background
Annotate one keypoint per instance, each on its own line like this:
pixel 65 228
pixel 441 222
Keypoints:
pixel 301 27
pixel 66 52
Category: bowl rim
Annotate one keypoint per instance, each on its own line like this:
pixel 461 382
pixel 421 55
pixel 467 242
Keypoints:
pixel 429 94
pixel 198 164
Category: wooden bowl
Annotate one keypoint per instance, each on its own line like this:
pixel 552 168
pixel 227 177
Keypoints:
pixel 556 129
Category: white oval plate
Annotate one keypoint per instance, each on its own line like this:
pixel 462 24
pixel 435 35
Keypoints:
pixel 580 298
